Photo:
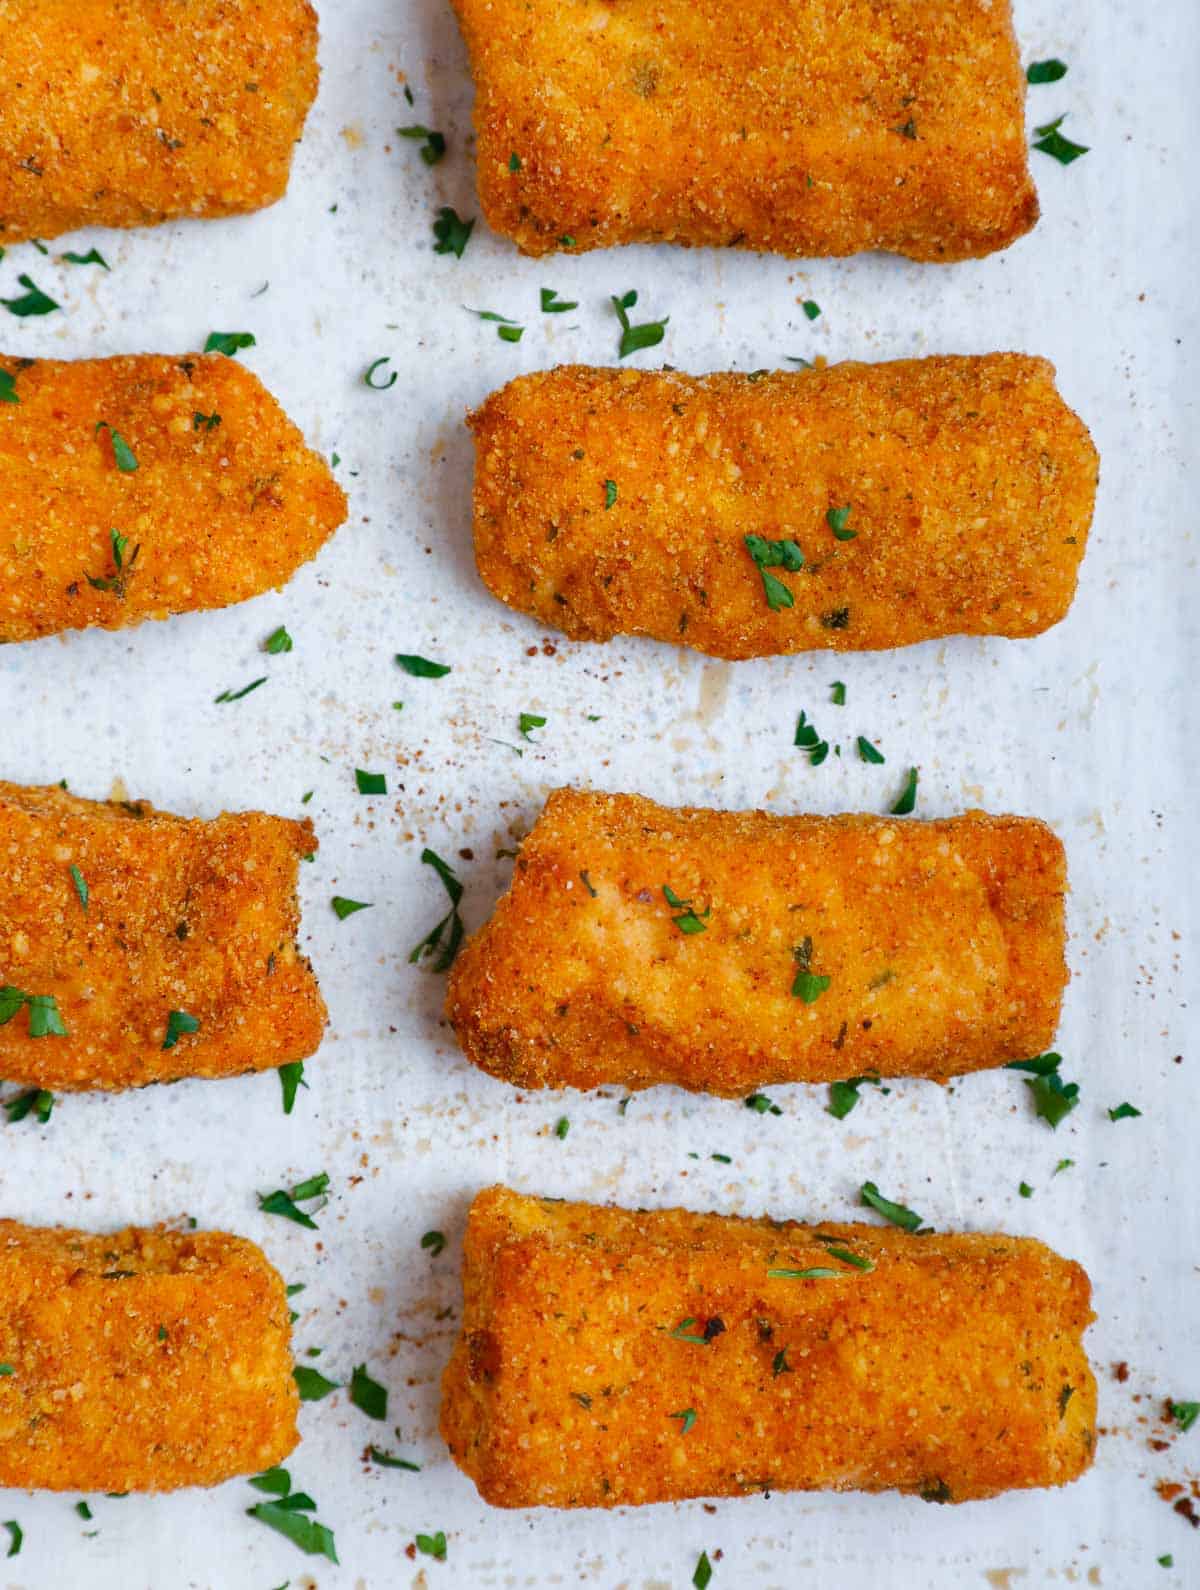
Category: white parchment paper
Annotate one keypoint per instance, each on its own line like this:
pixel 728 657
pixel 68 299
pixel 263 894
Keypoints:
pixel 1093 726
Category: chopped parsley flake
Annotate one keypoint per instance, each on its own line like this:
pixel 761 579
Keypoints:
pixel 286 1515
pixel 810 308
pixel 1045 71
pixel 552 304
pixel 633 338
pixel 837 694
pixel 434 1242
pixel 433 1545
pixel 230 343
pixel 122 452
pixel 444 940
pixel 236 695
pixel 8 388
pixel 806 985
pixel 285 1204
pixel 370 783
pixel 1025 1190
pixel 907 800
pixel 387 1461
pixel 687 922
pixel 807 738
pixel 1185 1414
pixel 122 571
pixel 514 161
pixel 369 375
pixel 816 1273
pixel 433 144
pixel 762 1105
pixel 35 1100
pixel 1051 142
pixel 1123 1112
pixel 610 493
pixel 843 1096
pixel 342 907
pixel 32 302
pixel 278 641
pixel 421 667
pixel 92 257
pixel 688 1415
pixel 527 721
pixel 179 1023
pixel 836 519
pixel 870 1195
pixel 452 232
pixel 16 1536
pixel 205 422
pixel 44 1018
pixel 312 1385
pixel 562 1126
pixel 81 888
pixel 703 1574
pixel 367 1395
pixel 869 752
pixel 774 555
pixel 291 1080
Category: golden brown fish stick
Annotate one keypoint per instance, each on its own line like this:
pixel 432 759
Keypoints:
pixel 720 951
pixel 131 112
pixel 806 128
pixel 850 508
pixel 140 1361
pixel 135 488
pixel 609 1357
pixel 139 947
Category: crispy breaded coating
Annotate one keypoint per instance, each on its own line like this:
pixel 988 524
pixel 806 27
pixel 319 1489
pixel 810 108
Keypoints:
pixel 141 1361
pixel 132 112
pixel 807 128
pixel 626 502
pixel 222 501
pixel 610 1358
pixel 790 949
pixel 121 915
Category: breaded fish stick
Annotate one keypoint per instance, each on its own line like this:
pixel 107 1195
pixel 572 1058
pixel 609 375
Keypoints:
pixel 720 951
pixel 610 1358
pixel 131 112
pixel 139 947
pixel 806 128
pixel 139 487
pixel 140 1361
pixel 851 508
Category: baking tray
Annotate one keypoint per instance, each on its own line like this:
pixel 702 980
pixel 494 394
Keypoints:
pixel 1093 726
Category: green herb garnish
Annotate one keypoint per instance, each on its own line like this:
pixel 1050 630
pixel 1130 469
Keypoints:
pixel 421 667
pixel 122 452
pixel 92 257
pixel 527 721
pixel 444 940
pixel 688 1415
pixel 452 232
pixel 762 1105
pixel 433 144
pixel 552 304
pixel 806 985
pixel 908 795
pixel 32 302
pixel 285 1204
pixel 434 1241
pixel 286 1515
pixel 433 1545
pixel 237 695
pixel 44 1018
pixel 368 1395
pixel 633 338
pixel 816 1273
pixel 81 888
pixel 1045 71
pixel 688 921
pixel 837 693
pixel 810 308
pixel 1123 1112
pixel 342 907
pixel 8 388
pixel 35 1100
pixel 230 343
pixel 278 642
pixel 610 493
pixel 1025 1190
pixel 387 1461
pixel 870 1195
pixel 312 1385
pixel 178 1024
pixel 370 783
pixel 15 1536
pixel 369 375
pixel 1184 1414
pixel 836 519
pixel 116 582
pixel 562 1126
pixel 291 1080
pixel 807 738
pixel 869 752
pixel 774 555
pixel 1053 143
pixel 703 1574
